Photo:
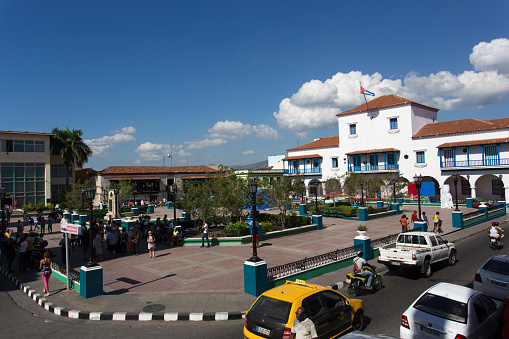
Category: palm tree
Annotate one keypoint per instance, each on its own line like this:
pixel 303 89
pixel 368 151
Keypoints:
pixel 71 147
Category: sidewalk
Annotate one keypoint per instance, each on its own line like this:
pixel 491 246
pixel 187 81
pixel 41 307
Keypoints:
pixel 192 283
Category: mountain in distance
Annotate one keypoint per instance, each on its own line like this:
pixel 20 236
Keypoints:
pixel 256 165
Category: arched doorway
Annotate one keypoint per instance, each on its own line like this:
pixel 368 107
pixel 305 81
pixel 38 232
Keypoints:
pixel 490 187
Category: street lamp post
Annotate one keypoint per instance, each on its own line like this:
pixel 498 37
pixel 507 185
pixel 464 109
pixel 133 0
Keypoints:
pixel 315 188
pixel 252 189
pixel 173 190
pixel 90 194
pixel 362 191
pixel 418 184
pixel 116 190
pixel 394 179
pixel 2 198
pixel 456 177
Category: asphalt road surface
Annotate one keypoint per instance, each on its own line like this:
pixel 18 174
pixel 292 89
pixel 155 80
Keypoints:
pixel 22 318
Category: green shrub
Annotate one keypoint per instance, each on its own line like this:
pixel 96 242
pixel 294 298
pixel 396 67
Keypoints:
pixel 28 207
pixel 237 228
pixel 269 227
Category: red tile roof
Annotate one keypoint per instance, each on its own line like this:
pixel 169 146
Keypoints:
pixel 474 142
pixel 125 170
pixel 378 150
pixel 309 156
pixel 322 142
pixel 136 178
pixel 460 126
pixel 385 102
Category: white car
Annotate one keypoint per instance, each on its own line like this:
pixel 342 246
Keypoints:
pixel 493 277
pixel 449 311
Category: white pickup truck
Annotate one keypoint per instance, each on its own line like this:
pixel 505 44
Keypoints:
pixel 417 250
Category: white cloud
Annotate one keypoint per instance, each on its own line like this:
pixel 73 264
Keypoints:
pixel 137 162
pixel 236 130
pixel 102 146
pixel 183 153
pixel 249 152
pixel 199 144
pixel 152 152
pixel 316 103
pixel 126 130
pixel 209 158
pixel 491 56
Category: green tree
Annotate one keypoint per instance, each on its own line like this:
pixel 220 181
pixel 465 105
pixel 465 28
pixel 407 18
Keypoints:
pixel 69 145
pixel 333 187
pixel 126 190
pixel 72 199
pixel 282 192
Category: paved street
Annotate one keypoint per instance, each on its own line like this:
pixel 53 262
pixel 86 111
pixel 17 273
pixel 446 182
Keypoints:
pixel 194 279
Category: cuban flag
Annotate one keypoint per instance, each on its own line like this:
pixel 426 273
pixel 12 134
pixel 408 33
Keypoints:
pixel 364 92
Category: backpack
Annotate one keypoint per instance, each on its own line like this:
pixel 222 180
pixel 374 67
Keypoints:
pixel 356 268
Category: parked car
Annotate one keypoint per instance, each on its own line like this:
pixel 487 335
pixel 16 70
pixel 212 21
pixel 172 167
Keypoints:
pixel 417 251
pixel 493 277
pixel 272 314
pixel 450 311
pixel 476 203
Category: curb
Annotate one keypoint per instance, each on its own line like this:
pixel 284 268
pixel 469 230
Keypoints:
pixel 120 316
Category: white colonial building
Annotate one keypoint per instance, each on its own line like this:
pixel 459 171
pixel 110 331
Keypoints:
pixel 402 136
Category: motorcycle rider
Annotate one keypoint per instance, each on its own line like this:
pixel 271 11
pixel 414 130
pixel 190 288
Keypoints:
pixel 496 232
pixel 358 268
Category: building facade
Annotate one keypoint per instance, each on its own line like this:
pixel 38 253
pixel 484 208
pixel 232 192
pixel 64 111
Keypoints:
pixel 28 170
pixel 391 134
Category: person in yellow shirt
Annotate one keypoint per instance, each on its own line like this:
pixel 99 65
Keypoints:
pixel 437 223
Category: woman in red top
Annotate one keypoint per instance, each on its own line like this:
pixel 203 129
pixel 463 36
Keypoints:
pixel 414 217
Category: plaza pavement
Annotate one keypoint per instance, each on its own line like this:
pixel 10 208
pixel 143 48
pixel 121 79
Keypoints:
pixel 192 279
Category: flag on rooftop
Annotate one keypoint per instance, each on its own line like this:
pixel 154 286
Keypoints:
pixel 363 91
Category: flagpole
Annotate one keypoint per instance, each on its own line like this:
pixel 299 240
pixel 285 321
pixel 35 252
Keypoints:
pixel 365 99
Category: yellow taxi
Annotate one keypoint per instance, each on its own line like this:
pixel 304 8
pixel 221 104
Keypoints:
pixel 272 314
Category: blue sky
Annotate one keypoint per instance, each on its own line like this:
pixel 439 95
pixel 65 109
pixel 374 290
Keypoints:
pixel 230 82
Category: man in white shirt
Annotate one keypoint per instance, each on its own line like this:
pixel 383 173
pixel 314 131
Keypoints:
pixel 205 235
pixel 303 327
pixel 358 268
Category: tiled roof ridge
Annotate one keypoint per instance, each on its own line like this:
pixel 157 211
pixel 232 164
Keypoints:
pixel 461 126
pixel 322 142
pixel 156 169
pixel 385 101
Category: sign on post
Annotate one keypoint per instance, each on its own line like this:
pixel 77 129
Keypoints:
pixel 66 227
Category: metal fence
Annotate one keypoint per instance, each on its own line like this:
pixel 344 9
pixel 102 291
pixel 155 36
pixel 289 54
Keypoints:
pixel 474 214
pixel 380 242
pixel 59 267
pixel 281 271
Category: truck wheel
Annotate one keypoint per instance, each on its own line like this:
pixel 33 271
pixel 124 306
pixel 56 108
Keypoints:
pixel 452 258
pixel 427 269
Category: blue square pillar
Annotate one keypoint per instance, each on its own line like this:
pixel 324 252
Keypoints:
pixel 91 281
pixel 150 209
pixel 255 277
pixel 365 241
pixel 379 204
pixel 75 218
pixel 303 209
pixel 135 211
pixel 400 201
pixel 457 219
pixel 470 203
pixel 83 218
pixel 129 224
pixel 317 220
pixel 169 205
pixel 420 226
pixel 67 215
pixel 395 207
pixel 363 213
pixel 485 209
pixel 503 203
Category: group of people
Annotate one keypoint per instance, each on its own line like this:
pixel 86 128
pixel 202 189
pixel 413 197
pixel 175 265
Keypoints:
pixel 37 222
pixel 405 224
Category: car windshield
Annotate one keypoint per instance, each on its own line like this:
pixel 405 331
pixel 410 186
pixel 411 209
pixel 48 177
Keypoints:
pixel 443 307
pixel 497 266
pixel 273 308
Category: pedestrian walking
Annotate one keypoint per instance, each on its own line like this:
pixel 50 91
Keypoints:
pixel 136 239
pixel 50 224
pixel 43 225
pixel 151 245
pixel 45 267
pixel 205 235
pixel 23 247
pixel 404 223
pixel 437 223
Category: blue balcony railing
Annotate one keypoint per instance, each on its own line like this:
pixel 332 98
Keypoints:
pixel 303 170
pixel 371 168
pixel 474 163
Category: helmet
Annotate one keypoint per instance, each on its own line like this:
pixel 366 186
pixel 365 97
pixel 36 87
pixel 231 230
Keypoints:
pixel 360 254
pixel 494 223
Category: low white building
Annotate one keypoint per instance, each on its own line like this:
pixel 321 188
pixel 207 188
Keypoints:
pixel 402 136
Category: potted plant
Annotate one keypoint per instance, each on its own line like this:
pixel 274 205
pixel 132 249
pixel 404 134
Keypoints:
pixel 362 229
